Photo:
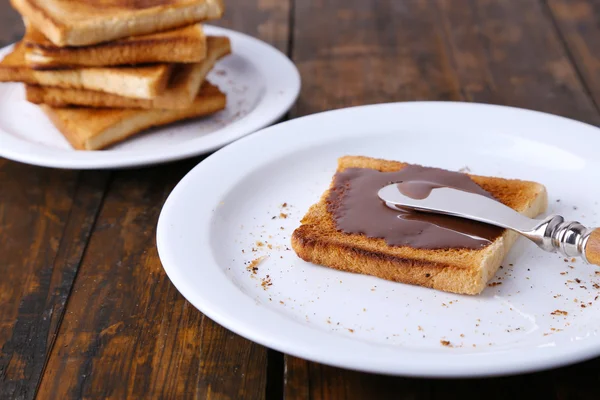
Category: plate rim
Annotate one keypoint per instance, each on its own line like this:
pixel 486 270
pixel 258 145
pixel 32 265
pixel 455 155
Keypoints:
pixel 578 352
pixel 17 149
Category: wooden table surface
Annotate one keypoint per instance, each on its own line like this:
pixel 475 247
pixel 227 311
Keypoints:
pixel 86 310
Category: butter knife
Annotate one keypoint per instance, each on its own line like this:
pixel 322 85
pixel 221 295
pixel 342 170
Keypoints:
pixel 552 233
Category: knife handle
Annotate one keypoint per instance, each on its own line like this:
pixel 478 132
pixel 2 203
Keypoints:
pixel 592 247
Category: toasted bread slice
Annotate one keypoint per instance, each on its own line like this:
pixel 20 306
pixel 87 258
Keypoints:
pixel 453 270
pixel 95 129
pixel 183 45
pixel 181 90
pixel 83 23
pixel 139 82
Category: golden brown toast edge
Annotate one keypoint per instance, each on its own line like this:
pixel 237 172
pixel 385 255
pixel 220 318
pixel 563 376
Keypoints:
pixel 96 129
pixel 183 45
pixel 137 82
pixel 183 87
pixel 68 23
pixel 453 270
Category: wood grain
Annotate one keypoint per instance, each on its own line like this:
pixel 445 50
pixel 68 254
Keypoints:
pixel 127 332
pixel 577 22
pixel 513 56
pixel 46 217
pixel 487 51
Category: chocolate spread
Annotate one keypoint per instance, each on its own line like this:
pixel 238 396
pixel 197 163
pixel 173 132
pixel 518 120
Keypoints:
pixel 356 208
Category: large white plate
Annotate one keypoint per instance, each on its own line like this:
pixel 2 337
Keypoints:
pixel 261 85
pixel 213 218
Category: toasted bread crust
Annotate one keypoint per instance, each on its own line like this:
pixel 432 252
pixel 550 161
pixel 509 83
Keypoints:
pixel 180 92
pixel 185 45
pixel 454 270
pixel 96 129
pixel 68 23
pixel 144 82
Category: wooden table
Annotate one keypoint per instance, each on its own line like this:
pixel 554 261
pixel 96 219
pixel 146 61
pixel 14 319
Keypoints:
pixel 85 307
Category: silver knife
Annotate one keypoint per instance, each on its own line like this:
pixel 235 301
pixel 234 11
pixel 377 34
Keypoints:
pixel 552 233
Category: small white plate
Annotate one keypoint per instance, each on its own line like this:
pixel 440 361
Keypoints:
pixel 545 312
pixel 261 85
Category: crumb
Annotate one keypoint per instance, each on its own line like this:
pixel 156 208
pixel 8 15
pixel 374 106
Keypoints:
pixel 510 265
pixel 253 267
pixel 260 244
pixel 574 207
pixel 281 227
pixel 492 284
pixel 558 200
pixel 597 272
pixel 577 280
pixel 566 260
pixel 273 217
pixel 564 273
pixel 444 305
pixel 419 327
pixel 570 266
pixel 284 205
pixel 583 306
pixel 364 309
pixel 221 72
pixel 573 259
pixel 446 343
pixel 462 335
pixel 372 289
pixel 474 345
pixel 270 246
pixel 266 282
pixel 254 250
pixel 501 267
pixel 283 215
pixel 328 320
pixel 350 330
pixel 559 312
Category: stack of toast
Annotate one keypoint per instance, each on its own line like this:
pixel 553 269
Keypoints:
pixel 103 71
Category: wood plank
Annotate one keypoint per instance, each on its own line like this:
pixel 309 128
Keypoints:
pixel 45 219
pixel 127 332
pixel 512 55
pixel 487 51
pixel 577 21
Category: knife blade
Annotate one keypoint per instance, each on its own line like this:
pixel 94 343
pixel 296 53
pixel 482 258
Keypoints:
pixel 552 233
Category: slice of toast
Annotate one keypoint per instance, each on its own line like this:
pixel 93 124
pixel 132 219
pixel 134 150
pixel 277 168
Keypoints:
pixel 82 23
pixel 453 270
pixel 180 92
pixel 144 82
pixel 183 45
pixel 96 129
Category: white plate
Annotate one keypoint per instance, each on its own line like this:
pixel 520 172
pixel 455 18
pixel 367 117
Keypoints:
pixel 261 85
pixel 209 227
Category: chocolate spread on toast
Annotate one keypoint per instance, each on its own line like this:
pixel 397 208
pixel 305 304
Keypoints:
pixel 356 208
